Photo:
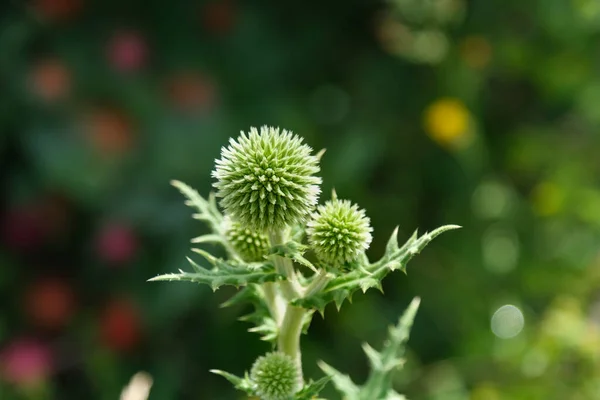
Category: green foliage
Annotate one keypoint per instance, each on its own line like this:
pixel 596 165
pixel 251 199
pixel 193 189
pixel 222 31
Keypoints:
pixel 283 296
pixel 223 273
pixel 364 275
pixel 382 364
pixel 429 117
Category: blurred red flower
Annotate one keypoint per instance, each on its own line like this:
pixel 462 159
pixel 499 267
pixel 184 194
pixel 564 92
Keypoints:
pixel 58 10
pixel 116 243
pixel 50 303
pixel 50 80
pixel 120 325
pixel 189 91
pixel 127 51
pixel 25 362
pixel 109 131
pixel 218 16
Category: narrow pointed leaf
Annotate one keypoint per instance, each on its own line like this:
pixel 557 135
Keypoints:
pixel 312 389
pixel 342 382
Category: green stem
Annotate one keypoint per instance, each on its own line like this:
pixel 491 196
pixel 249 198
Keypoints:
pixel 289 335
pixel 319 282
pixel 285 268
pixel 274 301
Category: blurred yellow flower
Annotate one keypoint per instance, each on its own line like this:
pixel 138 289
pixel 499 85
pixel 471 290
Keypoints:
pixel 447 121
pixel 547 198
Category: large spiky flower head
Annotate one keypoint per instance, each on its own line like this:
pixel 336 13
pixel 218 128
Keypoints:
pixel 275 376
pixel 338 232
pixel 249 245
pixel 266 179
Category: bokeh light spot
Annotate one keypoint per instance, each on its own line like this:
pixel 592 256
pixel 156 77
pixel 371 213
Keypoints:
pixel 534 363
pixel 507 322
pixel 491 200
pixel 500 247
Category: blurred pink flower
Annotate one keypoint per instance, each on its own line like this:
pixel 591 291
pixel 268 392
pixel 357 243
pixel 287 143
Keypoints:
pixel 127 51
pixel 25 362
pixel 116 243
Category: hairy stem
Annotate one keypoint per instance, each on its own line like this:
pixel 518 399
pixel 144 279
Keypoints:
pixel 289 335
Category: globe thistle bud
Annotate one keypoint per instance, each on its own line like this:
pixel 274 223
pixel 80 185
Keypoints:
pixel 250 245
pixel 266 180
pixel 339 231
pixel 276 376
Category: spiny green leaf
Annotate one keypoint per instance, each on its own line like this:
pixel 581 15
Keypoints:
pixel 294 251
pixel 223 274
pixel 312 389
pixel 207 256
pixel 392 244
pixel 210 238
pixel 244 384
pixel 382 364
pixel 267 329
pixel 342 382
pixel 207 209
pixel 260 317
pixel 369 275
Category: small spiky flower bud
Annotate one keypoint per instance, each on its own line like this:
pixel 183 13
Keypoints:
pixel 250 245
pixel 339 231
pixel 276 376
pixel 266 180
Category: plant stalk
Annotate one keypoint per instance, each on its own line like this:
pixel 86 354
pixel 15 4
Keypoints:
pixel 290 330
pixel 285 268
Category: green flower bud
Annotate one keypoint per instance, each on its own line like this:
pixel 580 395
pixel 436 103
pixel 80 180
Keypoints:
pixel 250 245
pixel 338 232
pixel 276 376
pixel 266 180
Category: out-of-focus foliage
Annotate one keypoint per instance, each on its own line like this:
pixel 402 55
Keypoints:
pixel 482 113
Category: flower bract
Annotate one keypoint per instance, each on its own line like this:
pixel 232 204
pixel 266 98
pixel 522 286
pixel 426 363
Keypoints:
pixel 248 244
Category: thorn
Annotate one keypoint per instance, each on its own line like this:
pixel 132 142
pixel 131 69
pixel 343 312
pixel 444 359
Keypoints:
pixel 320 154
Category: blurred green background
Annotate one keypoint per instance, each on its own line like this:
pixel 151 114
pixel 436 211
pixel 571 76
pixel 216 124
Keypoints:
pixel 483 113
